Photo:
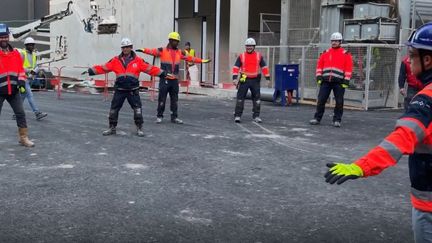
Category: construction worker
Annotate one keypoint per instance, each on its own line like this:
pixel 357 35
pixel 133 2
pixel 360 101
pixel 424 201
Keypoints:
pixel 30 66
pixel 412 136
pixel 333 72
pixel 248 66
pixel 170 58
pixel 191 68
pixel 414 85
pixel 12 82
pixel 127 66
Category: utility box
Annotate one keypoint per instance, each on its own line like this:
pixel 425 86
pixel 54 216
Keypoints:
pixel 371 10
pixel 352 32
pixel 381 31
pixel 286 78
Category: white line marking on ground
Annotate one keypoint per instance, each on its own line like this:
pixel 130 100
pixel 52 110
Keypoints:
pixel 288 146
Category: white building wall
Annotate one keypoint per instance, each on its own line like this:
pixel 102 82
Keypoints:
pixel 146 22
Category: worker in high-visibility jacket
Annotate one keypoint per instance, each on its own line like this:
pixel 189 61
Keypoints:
pixel 333 72
pixel 170 58
pixel 247 76
pixel 127 66
pixel 412 136
pixel 12 82
pixel 414 85
pixel 30 66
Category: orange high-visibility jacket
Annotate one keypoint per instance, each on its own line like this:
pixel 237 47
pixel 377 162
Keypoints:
pixel 170 59
pixel 335 65
pixel 250 65
pixel 11 72
pixel 126 76
pixel 412 136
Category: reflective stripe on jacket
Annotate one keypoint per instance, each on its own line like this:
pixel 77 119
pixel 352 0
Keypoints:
pixel 412 136
pixel 335 65
pixel 170 58
pixel 126 77
pixel 11 72
pixel 250 65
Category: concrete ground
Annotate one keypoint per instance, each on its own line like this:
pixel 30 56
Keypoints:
pixel 208 180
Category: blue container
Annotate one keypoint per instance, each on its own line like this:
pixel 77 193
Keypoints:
pixel 286 78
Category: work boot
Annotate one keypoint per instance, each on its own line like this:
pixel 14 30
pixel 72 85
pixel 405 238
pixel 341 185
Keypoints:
pixel 159 120
pixel 140 132
pixel 176 121
pixel 40 115
pixel 23 137
pixel 314 122
pixel 257 120
pixel 237 119
pixel 337 124
pixel 110 131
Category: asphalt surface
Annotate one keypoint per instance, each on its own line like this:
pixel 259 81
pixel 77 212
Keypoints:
pixel 208 180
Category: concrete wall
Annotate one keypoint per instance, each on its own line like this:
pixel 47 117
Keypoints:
pixel 21 11
pixel 146 22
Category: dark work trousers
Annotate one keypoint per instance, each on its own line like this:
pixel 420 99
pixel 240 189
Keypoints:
pixel 134 101
pixel 171 87
pixel 252 84
pixel 411 92
pixel 16 103
pixel 323 95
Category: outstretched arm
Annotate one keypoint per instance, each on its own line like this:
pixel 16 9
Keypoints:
pixel 101 69
pixel 193 59
pixel 410 131
pixel 151 51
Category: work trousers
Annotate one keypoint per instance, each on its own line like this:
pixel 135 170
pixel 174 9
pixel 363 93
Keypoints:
pixel 16 103
pixel 252 84
pixel 422 226
pixel 134 101
pixel 166 87
pixel 323 95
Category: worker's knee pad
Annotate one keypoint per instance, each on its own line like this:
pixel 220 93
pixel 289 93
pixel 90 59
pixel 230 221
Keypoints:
pixel 137 111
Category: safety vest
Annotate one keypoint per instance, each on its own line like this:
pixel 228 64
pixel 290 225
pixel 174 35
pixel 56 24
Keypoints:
pixel 191 52
pixel 335 65
pixel 170 59
pixel 411 79
pixel 250 65
pixel 413 136
pixel 27 64
pixel 11 72
pixel 126 77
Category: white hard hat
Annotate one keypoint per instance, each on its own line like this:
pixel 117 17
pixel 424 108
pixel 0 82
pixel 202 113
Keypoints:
pixel 250 42
pixel 29 40
pixel 125 42
pixel 336 36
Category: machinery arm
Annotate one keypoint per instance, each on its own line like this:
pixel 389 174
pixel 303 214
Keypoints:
pixel 21 32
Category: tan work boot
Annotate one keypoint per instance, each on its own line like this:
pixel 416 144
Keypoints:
pixel 23 137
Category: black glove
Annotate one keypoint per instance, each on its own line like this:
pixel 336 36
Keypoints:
pixel 139 50
pixel 85 72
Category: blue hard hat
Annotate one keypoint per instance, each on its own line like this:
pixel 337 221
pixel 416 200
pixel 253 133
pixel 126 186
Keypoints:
pixel 421 38
pixel 4 30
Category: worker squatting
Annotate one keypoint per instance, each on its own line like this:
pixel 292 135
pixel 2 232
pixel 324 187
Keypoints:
pixel 412 135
